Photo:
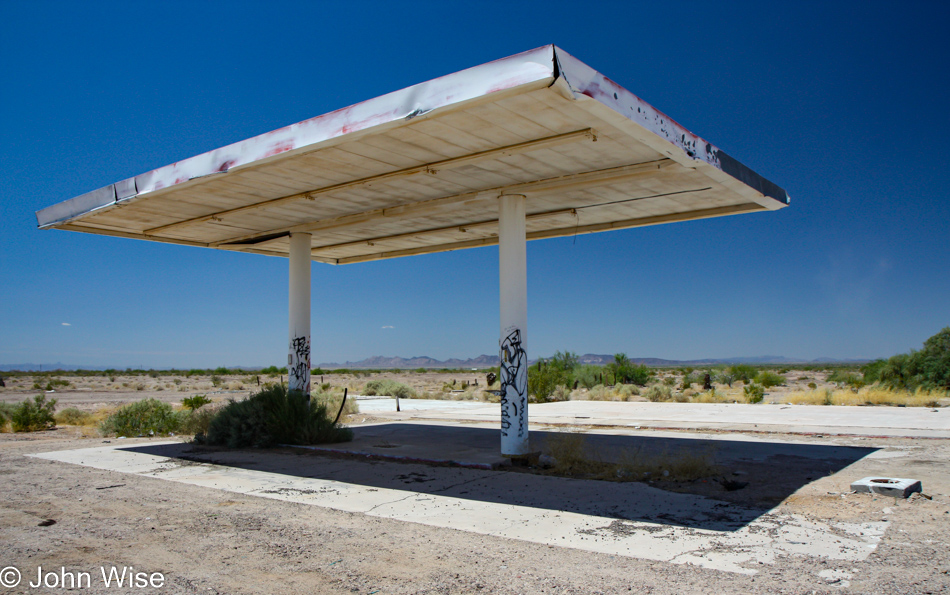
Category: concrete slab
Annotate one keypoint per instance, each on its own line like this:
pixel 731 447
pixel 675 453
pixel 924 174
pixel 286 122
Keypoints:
pixel 624 519
pixel 922 422
pixel 476 445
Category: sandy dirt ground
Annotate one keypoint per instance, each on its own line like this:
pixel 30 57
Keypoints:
pixel 204 540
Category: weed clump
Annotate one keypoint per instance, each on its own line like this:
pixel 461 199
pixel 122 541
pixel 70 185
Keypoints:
pixel 658 393
pixel 35 415
pixel 6 411
pixel 271 417
pixel 754 393
pixel 72 416
pixel 769 379
pixel 146 417
pixel 389 388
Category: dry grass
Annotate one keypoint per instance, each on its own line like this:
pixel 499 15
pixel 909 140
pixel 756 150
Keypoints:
pixel 574 457
pixel 868 396
pixel 713 396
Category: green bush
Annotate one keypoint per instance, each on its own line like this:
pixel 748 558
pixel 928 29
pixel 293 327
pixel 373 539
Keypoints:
pixel 928 368
pixel 35 415
pixel 71 416
pixel 754 393
pixel 587 376
pixel 743 372
pixel 196 402
pixel 847 377
pixel 389 388
pixel 726 377
pixel 146 417
pixel 271 417
pixel 769 379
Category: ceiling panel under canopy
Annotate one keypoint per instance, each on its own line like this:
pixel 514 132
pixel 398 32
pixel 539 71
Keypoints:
pixel 420 170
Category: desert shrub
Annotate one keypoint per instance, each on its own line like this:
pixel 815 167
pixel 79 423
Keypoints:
pixel 569 451
pixel 71 416
pixel 599 393
pixel 587 376
pixel 35 415
pixel 725 377
pixel 688 381
pixel 215 380
pixel 625 391
pixel 545 376
pixel 274 416
pixel 928 368
pixel 389 388
pixel 625 371
pixel 196 402
pixel 145 417
pixel 332 400
pixel 561 393
pixel 769 379
pixel 754 393
pixel 743 372
pixel 658 393
pixel 195 421
pixel 871 371
pixel 848 377
pixel 6 412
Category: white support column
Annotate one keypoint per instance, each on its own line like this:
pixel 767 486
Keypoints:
pixel 513 285
pixel 298 358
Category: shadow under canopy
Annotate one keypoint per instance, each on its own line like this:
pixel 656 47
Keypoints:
pixel 774 470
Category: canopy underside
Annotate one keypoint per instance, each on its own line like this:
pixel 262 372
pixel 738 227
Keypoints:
pixel 430 181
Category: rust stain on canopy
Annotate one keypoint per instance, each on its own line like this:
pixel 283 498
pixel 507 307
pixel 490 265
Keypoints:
pixel 420 170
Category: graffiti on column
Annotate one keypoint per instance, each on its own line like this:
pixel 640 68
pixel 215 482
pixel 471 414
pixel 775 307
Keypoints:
pixel 514 384
pixel 299 370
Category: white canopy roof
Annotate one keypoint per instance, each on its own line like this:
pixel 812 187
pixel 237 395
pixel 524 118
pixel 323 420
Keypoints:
pixel 420 170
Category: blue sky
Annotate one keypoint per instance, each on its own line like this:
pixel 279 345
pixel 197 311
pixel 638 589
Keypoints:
pixel 845 106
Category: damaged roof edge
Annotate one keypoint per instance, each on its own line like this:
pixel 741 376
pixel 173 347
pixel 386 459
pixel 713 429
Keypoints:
pixel 584 81
pixel 533 66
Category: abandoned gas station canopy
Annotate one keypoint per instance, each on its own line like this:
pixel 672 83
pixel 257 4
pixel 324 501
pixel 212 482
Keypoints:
pixel 420 170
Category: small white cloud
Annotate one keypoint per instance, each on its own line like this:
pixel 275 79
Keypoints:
pixel 388 326
pixel 66 324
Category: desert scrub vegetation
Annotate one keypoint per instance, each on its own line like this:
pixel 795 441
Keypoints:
pixel 928 368
pixel 274 416
pixel 6 411
pixel 143 418
pixel 332 399
pixel 72 416
pixel 33 415
pixel 871 395
pixel 389 388
pixel 754 393
pixel 658 393
pixel 572 455
pixel 769 379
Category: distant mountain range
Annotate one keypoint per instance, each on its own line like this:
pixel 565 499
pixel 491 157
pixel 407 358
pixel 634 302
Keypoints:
pixel 486 361
pixel 380 362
